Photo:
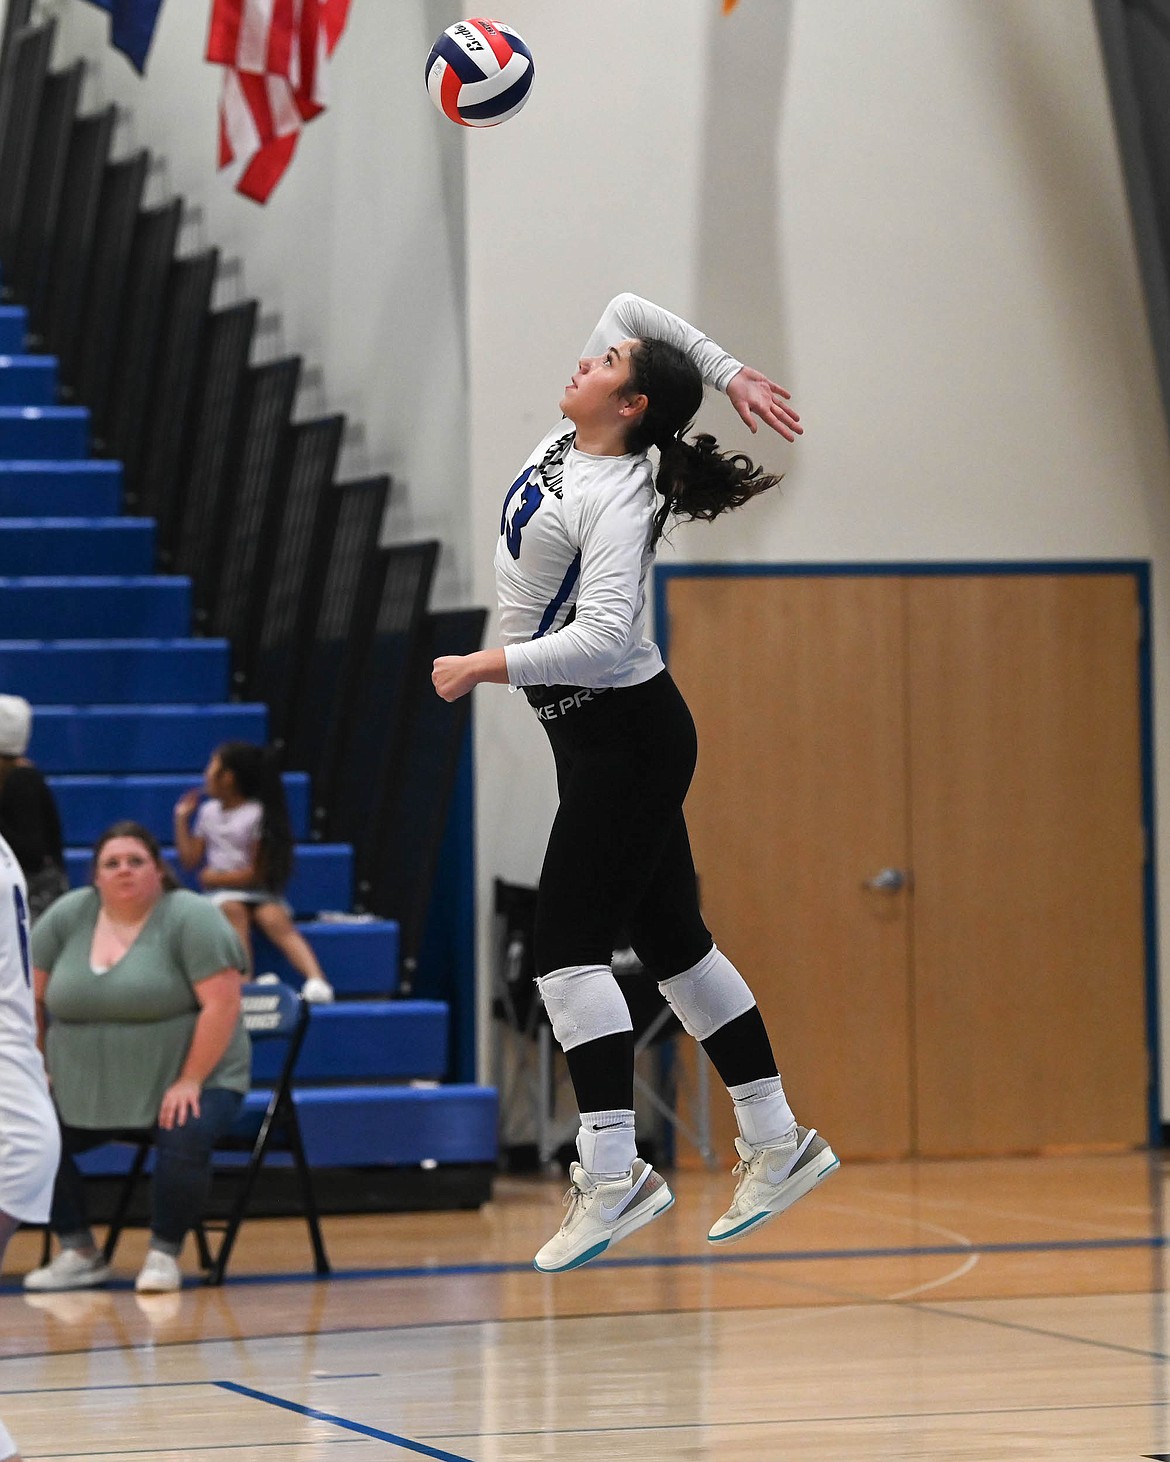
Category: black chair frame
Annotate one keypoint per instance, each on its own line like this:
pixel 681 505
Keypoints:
pixel 279 1120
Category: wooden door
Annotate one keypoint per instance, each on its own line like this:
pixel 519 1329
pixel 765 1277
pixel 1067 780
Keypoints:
pixel 1027 848
pixel 981 732
pixel 797 688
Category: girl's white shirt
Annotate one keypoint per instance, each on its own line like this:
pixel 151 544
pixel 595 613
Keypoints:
pixel 230 833
pixel 573 559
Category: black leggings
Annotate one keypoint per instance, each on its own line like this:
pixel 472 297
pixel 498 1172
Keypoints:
pixel 619 858
pixel 619 864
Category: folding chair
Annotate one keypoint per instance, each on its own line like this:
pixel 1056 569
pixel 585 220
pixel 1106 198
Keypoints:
pixel 517 1008
pixel 271 1012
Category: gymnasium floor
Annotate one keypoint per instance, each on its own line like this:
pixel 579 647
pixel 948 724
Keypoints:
pixel 977 1310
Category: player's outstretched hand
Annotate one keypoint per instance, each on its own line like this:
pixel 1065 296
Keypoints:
pixel 754 395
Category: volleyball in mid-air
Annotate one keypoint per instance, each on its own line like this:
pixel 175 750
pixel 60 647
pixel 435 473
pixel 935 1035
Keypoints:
pixel 479 73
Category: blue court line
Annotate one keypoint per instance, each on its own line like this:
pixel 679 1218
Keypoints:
pixel 682 1261
pixel 113 1386
pixel 352 1426
pixel 1089 1340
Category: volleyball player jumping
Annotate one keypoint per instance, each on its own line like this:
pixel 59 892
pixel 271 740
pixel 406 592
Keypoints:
pixel 578 535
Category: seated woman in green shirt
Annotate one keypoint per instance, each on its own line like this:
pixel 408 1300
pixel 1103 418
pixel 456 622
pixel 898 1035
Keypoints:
pixel 140 981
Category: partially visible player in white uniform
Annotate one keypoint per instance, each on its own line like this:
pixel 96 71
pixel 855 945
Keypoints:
pixel 30 1142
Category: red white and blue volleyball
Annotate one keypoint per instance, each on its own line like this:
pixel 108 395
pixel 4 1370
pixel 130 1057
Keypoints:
pixel 479 73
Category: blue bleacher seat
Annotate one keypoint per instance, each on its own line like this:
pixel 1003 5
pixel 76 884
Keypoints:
pixel 13 327
pixel 368 1040
pixel 358 958
pixel 322 876
pixel 39 489
pixel 60 432
pixel 94 608
pixel 139 738
pixel 28 380
pixel 76 546
pixel 354 1126
pixel 369 1126
pixel 89 804
pixel 115 672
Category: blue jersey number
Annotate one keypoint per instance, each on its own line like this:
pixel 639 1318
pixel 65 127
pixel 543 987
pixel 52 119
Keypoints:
pixel 22 932
pixel 530 499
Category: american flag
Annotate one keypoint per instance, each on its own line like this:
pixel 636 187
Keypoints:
pixel 274 54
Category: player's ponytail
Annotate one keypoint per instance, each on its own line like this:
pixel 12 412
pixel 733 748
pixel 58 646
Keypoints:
pixel 695 479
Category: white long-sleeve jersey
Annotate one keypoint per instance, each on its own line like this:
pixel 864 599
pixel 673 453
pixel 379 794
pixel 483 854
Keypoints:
pixel 18 1022
pixel 574 554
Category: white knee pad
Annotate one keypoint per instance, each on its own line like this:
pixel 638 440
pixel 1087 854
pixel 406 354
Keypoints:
pixel 583 1004
pixel 708 995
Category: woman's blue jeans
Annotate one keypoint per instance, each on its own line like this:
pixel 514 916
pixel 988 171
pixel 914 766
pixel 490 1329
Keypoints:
pixel 182 1171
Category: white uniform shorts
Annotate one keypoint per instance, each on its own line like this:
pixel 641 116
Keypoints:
pixel 30 1140
pixel 222 896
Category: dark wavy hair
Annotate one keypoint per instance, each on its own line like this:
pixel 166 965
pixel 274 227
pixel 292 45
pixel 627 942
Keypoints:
pixel 148 840
pixel 695 479
pixel 257 773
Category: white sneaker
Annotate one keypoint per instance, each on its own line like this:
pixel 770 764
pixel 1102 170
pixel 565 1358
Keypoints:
pixel 160 1273
pixel 71 1269
pixel 771 1179
pixel 317 991
pixel 601 1213
pixel 268 978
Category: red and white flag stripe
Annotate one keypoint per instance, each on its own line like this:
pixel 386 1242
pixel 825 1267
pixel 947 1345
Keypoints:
pixel 274 54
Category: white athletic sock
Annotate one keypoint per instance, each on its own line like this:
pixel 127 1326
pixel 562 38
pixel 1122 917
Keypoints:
pixel 606 1144
pixel 761 1109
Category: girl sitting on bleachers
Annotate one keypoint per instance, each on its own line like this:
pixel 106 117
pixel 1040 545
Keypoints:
pixel 242 843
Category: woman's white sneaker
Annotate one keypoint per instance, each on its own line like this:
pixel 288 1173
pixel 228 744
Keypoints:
pixel 71 1269
pixel 160 1273
pixel 771 1179
pixel 600 1213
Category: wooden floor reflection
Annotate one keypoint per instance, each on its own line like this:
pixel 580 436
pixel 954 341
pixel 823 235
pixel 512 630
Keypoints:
pixel 991 1309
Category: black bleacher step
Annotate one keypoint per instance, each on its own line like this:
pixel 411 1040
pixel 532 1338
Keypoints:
pixel 338 1191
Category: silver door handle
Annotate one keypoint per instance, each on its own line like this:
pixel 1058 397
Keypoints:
pixel 888 880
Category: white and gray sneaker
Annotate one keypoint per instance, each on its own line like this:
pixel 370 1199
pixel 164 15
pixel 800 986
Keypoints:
pixel 602 1211
pixel 771 1179
pixel 71 1269
pixel 160 1273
